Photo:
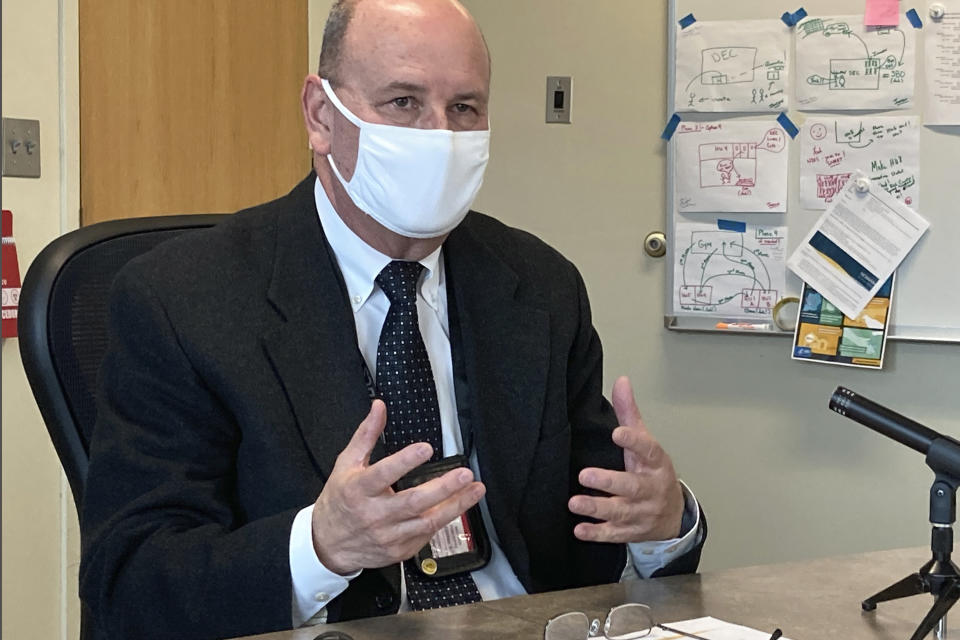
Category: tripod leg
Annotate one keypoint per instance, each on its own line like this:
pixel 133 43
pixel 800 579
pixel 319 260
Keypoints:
pixel 939 609
pixel 909 586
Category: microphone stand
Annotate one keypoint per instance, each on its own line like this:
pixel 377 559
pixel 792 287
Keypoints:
pixel 938 576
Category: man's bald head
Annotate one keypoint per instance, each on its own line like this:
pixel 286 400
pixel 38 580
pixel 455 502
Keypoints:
pixel 335 49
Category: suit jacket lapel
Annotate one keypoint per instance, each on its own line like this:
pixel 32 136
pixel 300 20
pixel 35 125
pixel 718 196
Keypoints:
pixel 313 342
pixel 505 347
pixel 312 345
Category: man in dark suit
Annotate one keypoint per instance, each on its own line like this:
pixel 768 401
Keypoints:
pixel 241 478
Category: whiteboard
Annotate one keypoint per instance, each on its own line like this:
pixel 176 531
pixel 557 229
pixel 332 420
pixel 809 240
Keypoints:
pixel 927 301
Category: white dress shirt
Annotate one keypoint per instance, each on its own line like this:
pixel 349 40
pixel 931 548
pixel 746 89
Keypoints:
pixel 313 584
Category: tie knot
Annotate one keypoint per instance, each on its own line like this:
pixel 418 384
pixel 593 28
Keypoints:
pixel 399 280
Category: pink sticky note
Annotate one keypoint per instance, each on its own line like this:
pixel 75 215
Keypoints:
pixel 882 13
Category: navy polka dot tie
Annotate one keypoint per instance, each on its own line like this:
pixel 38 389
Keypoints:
pixel 405 382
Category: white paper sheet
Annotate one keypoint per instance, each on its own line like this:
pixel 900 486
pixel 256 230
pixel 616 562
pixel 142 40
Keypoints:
pixel 732 66
pixel 731 166
pixel 710 628
pixel 885 148
pixel 942 56
pixel 729 268
pixel 856 245
pixel 842 64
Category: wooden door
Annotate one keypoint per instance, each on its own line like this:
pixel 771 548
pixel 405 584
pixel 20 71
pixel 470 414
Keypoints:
pixel 189 106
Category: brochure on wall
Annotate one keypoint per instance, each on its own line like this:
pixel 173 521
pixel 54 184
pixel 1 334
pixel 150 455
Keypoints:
pixel 824 334
pixel 857 244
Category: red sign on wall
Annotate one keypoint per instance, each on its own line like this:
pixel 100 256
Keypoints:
pixel 11 278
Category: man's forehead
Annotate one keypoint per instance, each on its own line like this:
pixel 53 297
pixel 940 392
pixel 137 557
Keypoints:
pixel 414 32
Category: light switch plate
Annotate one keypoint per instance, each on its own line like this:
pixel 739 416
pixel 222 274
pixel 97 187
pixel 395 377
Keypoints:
pixel 559 97
pixel 21 148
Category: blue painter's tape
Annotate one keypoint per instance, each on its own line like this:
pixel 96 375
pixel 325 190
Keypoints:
pixel 788 125
pixel 686 21
pixel 732 225
pixel 791 19
pixel 914 19
pixel 671 127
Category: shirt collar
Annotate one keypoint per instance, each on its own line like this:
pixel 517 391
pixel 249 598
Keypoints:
pixel 360 263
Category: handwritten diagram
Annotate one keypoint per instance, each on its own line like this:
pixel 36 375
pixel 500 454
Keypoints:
pixel 735 271
pixel 741 166
pixel 885 148
pixel 842 64
pixel 732 66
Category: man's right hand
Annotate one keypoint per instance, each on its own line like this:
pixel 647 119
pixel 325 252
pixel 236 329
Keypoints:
pixel 360 522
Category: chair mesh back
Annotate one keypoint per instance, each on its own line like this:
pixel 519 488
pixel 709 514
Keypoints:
pixel 78 317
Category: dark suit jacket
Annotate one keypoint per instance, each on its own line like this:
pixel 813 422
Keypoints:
pixel 233 380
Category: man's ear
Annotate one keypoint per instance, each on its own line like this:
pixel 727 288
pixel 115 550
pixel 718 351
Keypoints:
pixel 316 114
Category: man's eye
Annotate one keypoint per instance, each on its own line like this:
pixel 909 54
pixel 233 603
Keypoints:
pixel 462 108
pixel 403 102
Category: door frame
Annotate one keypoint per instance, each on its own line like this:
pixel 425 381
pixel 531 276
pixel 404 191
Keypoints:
pixel 68 40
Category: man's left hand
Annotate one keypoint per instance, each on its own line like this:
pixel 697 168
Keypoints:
pixel 645 501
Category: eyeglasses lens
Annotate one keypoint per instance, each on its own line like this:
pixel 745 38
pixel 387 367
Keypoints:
pixel 628 621
pixel 570 626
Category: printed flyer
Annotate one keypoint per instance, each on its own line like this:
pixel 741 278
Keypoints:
pixel 824 334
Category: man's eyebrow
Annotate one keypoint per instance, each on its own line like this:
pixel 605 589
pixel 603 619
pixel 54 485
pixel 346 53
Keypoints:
pixel 479 96
pixel 404 86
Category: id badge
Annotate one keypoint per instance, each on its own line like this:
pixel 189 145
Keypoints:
pixel 462 544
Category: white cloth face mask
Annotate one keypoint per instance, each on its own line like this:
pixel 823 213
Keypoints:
pixel 418 183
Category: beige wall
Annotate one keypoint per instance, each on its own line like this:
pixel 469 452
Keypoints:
pixel 40 541
pixel 779 475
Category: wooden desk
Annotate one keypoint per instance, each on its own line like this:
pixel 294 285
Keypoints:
pixel 813 600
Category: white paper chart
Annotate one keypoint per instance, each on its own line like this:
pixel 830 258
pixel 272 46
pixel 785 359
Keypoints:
pixel 728 267
pixel 842 64
pixel 941 56
pixel 731 166
pixel 885 148
pixel 733 66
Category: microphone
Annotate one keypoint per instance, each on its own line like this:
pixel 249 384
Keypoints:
pixel 938 576
pixel 882 420
pixel 942 452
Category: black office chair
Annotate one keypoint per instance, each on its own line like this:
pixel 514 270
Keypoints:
pixel 62 326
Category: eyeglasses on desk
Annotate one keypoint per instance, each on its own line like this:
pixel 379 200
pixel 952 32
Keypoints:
pixel 624 622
